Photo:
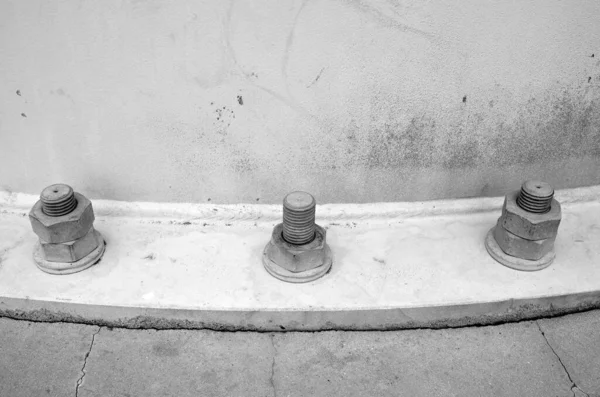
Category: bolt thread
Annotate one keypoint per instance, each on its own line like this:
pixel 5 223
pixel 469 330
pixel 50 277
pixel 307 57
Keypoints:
pixel 534 202
pixel 58 200
pixel 299 218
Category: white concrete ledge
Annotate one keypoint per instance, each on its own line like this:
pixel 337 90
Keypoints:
pixel 396 265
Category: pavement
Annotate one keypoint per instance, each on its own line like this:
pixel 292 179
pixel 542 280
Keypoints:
pixel 547 357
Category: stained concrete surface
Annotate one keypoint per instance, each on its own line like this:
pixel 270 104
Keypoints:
pixel 506 360
pixel 576 340
pixel 178 363
pixel 38 359
pixel 355 101
pixel 42 359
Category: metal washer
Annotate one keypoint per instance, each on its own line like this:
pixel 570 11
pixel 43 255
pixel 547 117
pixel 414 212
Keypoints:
pixel 300 277
pixel 512 261
pixel 69 267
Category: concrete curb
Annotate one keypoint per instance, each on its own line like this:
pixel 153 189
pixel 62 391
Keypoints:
pixel 375 319
pixel 394 268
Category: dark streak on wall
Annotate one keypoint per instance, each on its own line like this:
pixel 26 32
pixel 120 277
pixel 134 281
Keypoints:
pixel 559 127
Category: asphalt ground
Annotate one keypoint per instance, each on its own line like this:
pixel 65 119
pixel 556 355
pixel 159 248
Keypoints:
pixel 548 357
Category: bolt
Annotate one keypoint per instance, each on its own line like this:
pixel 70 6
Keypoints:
pixel 298 250
pixel 64 222
pixel 58 200
pixel 535 197
pixel 299 218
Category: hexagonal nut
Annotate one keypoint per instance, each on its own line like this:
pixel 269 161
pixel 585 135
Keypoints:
pixel 522 248
pixel 529 225
pixel 61 229
pixel 71 251
pixel 297 258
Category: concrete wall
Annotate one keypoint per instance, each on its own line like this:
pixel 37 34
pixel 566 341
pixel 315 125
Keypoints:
pixel 243 101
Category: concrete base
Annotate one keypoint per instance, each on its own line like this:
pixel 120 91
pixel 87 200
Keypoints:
pixel 69 267
pixel 397 265
pixel 513 262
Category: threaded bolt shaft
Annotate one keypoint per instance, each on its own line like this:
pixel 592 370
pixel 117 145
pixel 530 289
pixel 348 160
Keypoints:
pixel 536 197
pixel 58 200
pixel 299 218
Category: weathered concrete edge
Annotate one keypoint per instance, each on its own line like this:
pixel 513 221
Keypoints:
pixel 13 202
pixel 431 317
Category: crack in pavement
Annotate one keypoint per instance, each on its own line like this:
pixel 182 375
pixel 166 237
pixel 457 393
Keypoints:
pixel 574 386
pixel 80 380
pixel 272 378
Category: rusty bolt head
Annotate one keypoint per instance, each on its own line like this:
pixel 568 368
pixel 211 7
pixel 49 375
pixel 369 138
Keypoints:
pixel 528 225
pixel 71 251
pixel 61 229
pixel 516 246
pixel 297 258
